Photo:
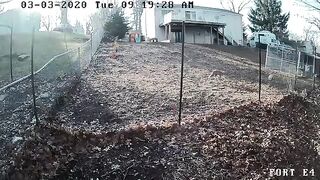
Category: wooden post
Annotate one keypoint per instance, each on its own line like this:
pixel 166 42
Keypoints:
pixel 299 59
pixel 211 35
pixel 223 35
pixel 169 33
pixel 218 35
pixel 166 32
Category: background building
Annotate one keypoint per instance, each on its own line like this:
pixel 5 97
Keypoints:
pixel 203 25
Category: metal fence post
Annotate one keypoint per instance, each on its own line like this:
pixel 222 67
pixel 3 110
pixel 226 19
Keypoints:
pixel 91 46
pixel 281 59
pixel 32 80
pixel 11 67
pixel 260 64
pixel 267 56
pixel 181 80
pixel 79 59
pixel 314 69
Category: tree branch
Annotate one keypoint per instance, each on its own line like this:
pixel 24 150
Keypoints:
pixel 233 6
pixel 311 5
pixel 242 5
pixel 4 2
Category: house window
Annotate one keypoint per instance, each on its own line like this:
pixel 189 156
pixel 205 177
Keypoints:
pixel 191 15
pixel 166 11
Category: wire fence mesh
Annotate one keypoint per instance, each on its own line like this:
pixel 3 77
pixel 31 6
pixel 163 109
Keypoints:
pixel 53 78
pixel 282 59
pixel 292 67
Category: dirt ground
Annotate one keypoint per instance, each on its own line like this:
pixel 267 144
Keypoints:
pixel 142 85
pixel 120 121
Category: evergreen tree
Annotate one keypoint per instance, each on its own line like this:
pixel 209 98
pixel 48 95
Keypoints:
pixel 117 26
pixel 267 15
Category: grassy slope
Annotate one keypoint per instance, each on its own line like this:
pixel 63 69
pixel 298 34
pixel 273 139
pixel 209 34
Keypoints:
pixel 47 45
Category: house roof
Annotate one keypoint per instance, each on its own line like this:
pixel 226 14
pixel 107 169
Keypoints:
pixel 197 23
pixel 209 8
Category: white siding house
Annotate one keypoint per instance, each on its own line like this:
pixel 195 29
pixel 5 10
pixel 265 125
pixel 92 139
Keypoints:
pixel 307 47
pixel 203 25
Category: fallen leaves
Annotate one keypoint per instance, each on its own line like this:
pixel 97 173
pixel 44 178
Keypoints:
pixel 113 128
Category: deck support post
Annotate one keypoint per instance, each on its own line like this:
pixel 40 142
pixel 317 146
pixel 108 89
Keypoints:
pixel 211 35
pixel 218 35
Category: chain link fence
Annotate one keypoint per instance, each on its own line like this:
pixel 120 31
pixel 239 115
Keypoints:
pixel 296 68
pixel 52 82
pixel 282 59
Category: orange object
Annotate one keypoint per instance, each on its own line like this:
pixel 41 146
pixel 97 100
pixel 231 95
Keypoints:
pixel 133 35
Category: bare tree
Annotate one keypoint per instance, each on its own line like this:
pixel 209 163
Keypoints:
pixel 313 5
pixel 315 21
pixel 235 5
pixel 310 34
pixel 137 14
pixel 88 27
pixel 5 1
pixel 64 15
pixel 46 22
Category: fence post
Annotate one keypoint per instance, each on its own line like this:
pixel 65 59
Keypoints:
pixel 267 56
pixel 79 59
pixel 11 67
pixel 299 61
pixel 260 64
pixel 314 69
pixel 32 80
pixel 281 59
pixel 181 80
pixel 91 46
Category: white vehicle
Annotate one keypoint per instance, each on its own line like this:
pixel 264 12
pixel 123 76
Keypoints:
pixel 267 38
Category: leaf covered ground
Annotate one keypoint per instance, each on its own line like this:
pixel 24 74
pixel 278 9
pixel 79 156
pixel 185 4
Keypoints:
pixel 240 143
pixel 120 122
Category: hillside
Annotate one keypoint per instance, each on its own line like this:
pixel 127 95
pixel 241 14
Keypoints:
pixel 47 45
pixel 119 122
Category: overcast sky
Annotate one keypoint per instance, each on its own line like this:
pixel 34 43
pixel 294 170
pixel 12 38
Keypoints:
pixel 296 25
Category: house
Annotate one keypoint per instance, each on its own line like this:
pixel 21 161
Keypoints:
pixel 306 47
pixel 21 21
pixel 203 25
pixel 309 57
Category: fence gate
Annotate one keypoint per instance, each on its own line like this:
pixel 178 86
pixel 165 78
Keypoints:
pixel 283 59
